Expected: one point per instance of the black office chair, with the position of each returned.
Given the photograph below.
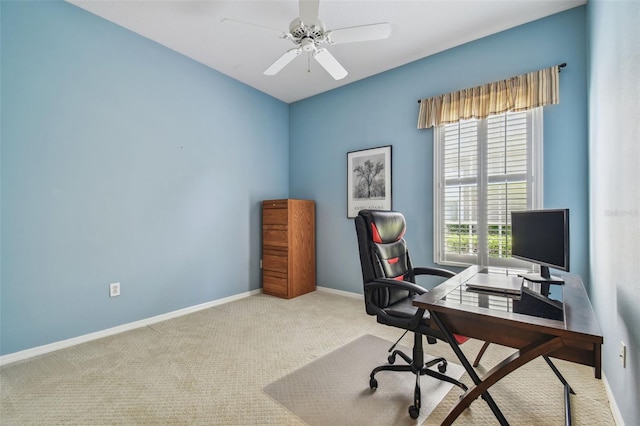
(389, 288)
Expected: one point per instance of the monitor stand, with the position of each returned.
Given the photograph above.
(543, 277)
(538, 278)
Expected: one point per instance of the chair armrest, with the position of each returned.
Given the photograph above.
(388, 282)
(421, 270)
(403, 285)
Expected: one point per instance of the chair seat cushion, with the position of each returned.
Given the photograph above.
(404, 309)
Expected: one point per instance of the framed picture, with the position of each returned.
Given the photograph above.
(368, 180)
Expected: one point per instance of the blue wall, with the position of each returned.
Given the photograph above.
(614, 152)
(383, 110)
(123, 161)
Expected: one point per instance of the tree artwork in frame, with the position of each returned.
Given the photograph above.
(368, 180)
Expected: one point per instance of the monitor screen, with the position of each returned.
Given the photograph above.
(542, 237)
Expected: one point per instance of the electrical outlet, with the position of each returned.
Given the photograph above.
(623, 355)
(114, 289)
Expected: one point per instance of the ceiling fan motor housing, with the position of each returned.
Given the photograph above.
(304, 35)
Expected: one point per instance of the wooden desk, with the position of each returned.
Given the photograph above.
(578, 338)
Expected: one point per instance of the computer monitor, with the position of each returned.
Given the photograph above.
(542, 237)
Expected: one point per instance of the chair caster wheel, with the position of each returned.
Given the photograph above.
(442, 367)
(391, 358)
(414, 412)
(373, 384)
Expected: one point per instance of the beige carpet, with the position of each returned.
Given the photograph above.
(210, 368)
(334, 390)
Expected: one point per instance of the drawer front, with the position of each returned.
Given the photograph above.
(274, 285)
(275, 204)
(275, 215)
(273, 262)
(274, 237)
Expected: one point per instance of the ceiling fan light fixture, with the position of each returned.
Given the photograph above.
(308, 45)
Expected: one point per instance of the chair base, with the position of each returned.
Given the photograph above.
(417, 366)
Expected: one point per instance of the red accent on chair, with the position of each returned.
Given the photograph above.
(460, 339)
(376, 234)
(392, 261)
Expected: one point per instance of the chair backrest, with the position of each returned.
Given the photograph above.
(383, 254)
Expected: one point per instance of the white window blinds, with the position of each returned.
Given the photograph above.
(484, 169)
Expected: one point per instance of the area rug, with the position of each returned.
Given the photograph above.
(334, 389)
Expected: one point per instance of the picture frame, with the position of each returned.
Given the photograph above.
(368, 180)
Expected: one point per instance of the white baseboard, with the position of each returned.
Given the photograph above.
(615, 411)
(40, 350)
(339, 292)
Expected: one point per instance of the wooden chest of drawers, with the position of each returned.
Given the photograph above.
(288, 247)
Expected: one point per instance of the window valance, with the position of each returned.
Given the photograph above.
(518, 93)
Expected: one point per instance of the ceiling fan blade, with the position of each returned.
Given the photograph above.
(309, 11)
(330, 64)
(378, 31)
(236, 21)
(282, 61)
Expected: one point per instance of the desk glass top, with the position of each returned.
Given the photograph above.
(535, 299)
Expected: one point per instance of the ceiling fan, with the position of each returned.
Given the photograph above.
(308, 34)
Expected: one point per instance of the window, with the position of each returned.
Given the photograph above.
(484, 169)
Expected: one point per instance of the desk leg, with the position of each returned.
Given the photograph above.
(567, 405)
(567, 391)
(482, 350)
(558, 374)
(465, 402)
(508, 365)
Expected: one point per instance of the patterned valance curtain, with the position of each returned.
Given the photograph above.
(518, 93)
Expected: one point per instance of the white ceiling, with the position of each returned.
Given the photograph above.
(419, 28)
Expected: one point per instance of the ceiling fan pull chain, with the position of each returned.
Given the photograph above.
(309, 62)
